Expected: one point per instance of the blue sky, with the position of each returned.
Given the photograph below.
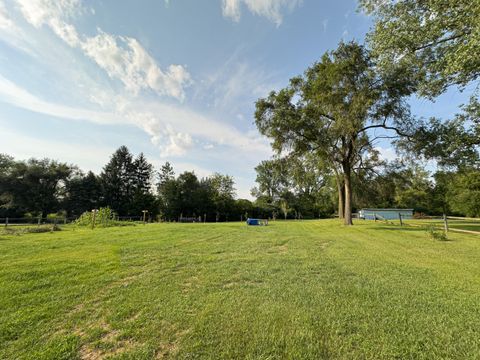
(174, 79)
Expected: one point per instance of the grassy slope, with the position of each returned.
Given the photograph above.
(290, 290)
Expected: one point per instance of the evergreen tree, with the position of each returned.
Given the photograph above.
(143, 199)
(118, 181)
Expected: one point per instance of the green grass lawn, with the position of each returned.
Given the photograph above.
(461, 224)
(292, 290)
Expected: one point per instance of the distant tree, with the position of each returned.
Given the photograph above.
(188, 186)
(143, 198)
(296, 182)
(435, 42)
(118, 181)
(142, 174)
(463, 195)
(167, 193)
(332, 109)
(7, 163)
(223, 194)
(244, 209)
(83, 193)
(35, 185)
(271, 178)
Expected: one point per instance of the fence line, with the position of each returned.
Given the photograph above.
(24, 221)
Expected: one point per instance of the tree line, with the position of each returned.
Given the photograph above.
(356, 96)
(298, 188)
(127, 184)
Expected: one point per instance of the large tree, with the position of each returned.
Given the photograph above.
(437, 42)
(36, 186)
(335, 110)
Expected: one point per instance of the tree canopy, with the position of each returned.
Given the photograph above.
(333, 109)
(436, 42)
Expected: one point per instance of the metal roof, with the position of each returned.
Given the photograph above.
(391, 209)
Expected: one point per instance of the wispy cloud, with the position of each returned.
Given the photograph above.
(143, 94)
(325, 25)
(122, 57)
(271, 9)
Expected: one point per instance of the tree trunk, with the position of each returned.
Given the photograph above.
(348, 195)
(341, 197)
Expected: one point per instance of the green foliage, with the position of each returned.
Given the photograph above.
(435, 234)
(33, 229)
(104, 217)
(33, 185)
(188, 196)
(435, 42)
(452, 143)
(294, 185)
(464, 193)
(330, 110)
(84, 193)
(126, 184)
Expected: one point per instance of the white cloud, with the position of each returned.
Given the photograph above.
(86, 156)
(175, 129)
(125, 59)
(40, 12)
(10, 33)
(122, 57)
(15, 95)
(271, 9)
(387, 154)
(171, 128)
(233, 88)
(5, 22)
(231, 9)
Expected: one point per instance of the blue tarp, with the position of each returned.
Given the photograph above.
(253, 221)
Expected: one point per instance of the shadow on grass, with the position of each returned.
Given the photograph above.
(399, 228)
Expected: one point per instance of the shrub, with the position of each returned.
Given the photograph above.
(420, 215)
(57, 215)
(104, 217)
(435, 234)
(30, 229)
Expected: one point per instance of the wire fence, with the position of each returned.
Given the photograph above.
(445, 223)
(29, 221)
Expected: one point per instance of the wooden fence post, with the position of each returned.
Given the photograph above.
(400, 217)
(6, 222)
(445, 223)
(94, 215)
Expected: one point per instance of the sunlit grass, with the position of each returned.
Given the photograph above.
(299, 290)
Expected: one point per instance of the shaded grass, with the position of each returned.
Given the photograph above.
(467, 224)
(298, 290)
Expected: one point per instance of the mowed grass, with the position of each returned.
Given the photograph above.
(291, 290)
(469, 224)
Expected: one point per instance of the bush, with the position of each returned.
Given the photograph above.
(104, 217)
(30, 229)
(420, 215)
(57, 215)
(435, 234)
